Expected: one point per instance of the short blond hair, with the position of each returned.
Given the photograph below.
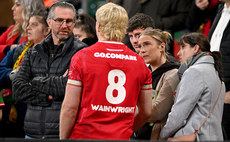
(113, 21)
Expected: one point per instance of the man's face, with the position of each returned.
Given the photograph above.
(133, 37)
(61, 24)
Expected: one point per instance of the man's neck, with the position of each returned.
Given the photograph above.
(100, 38)
(57, 41)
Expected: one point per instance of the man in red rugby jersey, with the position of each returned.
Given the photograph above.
(106, 82)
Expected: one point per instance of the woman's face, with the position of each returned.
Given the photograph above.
(150, 49)
(17, 12)
(36, 30)
(186, 51)
(79, 33)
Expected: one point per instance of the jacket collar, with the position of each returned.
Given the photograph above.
(205, 59)
(44, 47)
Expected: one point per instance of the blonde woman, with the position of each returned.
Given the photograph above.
(164, 80)
(37, 31)
(16, 34)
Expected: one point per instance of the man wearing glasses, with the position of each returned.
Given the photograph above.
(42, 76)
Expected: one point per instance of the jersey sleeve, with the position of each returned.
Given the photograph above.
(147, 85)
(75, 72)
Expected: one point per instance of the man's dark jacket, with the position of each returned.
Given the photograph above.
(225, 51)
(224, 47)
(40, 75)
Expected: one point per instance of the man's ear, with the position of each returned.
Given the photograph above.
(47, 31)
(98, 26)
(48, 22)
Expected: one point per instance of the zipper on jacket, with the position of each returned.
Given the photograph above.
(43, 122)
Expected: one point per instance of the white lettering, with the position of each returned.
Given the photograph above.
(107, 55)
(118, 56)
(115, 56)
(102, 54)
(113, 109)
(96, 54)
(94, 107)
(112, 55)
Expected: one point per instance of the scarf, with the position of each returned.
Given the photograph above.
(156, 75)
(27, 46)
(189, 62)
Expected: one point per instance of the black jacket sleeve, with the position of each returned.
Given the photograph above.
(175, 21)
(195, 18)
(23, 90)
(53, 85)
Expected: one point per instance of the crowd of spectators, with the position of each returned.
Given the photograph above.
(37, 71)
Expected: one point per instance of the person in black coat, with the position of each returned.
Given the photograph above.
(219, 36)
(43, 73)
(201, 15)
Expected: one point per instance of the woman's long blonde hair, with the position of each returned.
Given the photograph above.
(28, 7)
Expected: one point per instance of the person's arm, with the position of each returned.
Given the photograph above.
(179, 12)
(23, 90)
(144, 109)
(53, 85)
(6, 66)
(0, 114)
(187, 97)
(227, 98)
(5, 43)
(193, 21)
(69, 110)
(164, 101)
(202, 4)
(2, 104)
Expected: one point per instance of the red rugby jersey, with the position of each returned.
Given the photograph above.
(111, 77)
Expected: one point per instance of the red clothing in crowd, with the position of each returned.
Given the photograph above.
(49, 3)
(4, 42)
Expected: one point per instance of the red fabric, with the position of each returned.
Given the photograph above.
(207, 25)
(6, 92)
(49, 3)
(176, 49)
(107, 70)
(4, 42)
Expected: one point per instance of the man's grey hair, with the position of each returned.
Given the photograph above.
(63, 5)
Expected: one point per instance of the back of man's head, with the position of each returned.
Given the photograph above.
(140, 20)
(113, 20)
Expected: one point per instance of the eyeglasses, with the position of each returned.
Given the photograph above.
(60, 21)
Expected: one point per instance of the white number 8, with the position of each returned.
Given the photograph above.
(116, 86)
